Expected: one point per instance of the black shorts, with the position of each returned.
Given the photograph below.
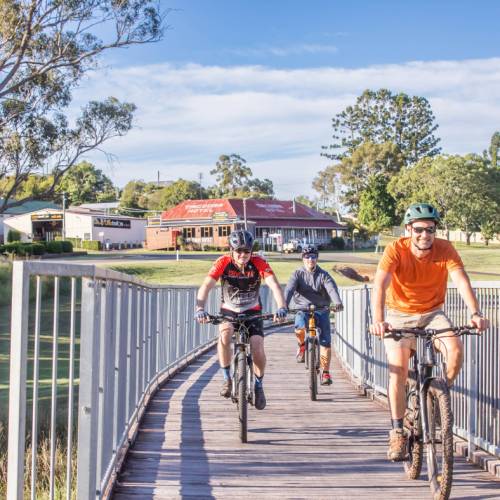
(255, 326)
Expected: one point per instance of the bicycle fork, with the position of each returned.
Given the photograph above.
(426, 377)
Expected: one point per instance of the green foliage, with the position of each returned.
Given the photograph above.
(354, 171)
(133, 195)
(37, 249)
(54, 246)
(231, 174)
(305, 200)
(176, 193)
(381, 116)
(494, 149)
(76, 242)
(337, 243)
(48, 47)
(256, 246)
(83, 183)
(91, 245)
(13, 235)
(377, 206)
(66, 246)
(465, 190)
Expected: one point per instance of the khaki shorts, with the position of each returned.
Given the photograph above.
(433, 319)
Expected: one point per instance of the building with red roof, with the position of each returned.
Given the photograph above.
(207, 223)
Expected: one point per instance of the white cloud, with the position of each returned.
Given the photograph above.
(285, 51)
(278, 119)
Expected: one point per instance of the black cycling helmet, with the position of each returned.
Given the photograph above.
(241, 239)
(421, 211)
(309, 250)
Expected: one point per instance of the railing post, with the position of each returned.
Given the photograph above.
(88, 406)
(472, 396)
(17, 387)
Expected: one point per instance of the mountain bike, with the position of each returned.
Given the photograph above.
(428, 418)
(242, 391)
(312, 348)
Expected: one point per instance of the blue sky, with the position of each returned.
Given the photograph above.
(263, 80)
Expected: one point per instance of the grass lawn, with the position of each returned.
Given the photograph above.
(192, 272)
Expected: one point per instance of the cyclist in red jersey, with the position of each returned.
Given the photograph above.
(241, 274)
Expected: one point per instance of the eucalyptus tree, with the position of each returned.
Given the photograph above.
(46, 47)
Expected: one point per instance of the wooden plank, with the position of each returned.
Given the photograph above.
(188, 447)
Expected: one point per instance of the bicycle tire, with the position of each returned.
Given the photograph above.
(413, 427)
(440, 448)
(242, 396)
(313, 375)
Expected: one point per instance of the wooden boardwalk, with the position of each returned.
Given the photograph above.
(188, 447)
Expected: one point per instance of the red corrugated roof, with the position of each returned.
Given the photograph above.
(266, 213)
(299, 223)
(200, 209)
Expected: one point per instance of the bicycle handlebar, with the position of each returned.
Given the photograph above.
(217, 319)
(397, 333)
(307, 310)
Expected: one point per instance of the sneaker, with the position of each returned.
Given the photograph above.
(326, 379)
(225, 391)
(397, 445)
(260, 397)
(301, 352)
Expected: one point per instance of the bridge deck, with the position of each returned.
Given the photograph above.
(188, 446)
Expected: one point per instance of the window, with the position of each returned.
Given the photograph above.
(189, 232)
(224, 230)
(207, 232)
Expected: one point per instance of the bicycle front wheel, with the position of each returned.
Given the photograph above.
(413, 428)
(242, 396)
(312, 353)
(440, 448)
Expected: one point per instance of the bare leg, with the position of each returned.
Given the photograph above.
(258, 354)
(325, 357)
(452, 350)
(398, 373)
(224, 344)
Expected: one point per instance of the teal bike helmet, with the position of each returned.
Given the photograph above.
(421, 211)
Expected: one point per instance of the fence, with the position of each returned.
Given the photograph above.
(476, 391)
(130, 337)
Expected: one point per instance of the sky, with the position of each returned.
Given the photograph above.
(263, 79)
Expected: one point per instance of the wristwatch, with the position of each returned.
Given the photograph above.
(477, 313)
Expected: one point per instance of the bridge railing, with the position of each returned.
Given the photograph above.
(107, 340)
(476, 391)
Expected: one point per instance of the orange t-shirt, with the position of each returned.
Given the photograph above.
(418, 285)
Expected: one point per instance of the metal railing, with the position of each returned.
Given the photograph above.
(130, 337)
(476, 391)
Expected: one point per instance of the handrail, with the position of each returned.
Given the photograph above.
(131, 336)
(475, 392)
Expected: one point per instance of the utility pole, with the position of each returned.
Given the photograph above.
(245, 212)
(200, 177)
(158, 179)
(64, 217)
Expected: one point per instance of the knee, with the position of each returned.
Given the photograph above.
(325, 343)
(225, 336)
(397, 373)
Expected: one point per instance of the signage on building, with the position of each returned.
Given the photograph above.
(109, 222)
(220, 215)
(42, 217)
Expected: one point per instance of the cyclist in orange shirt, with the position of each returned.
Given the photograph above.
(411, 281)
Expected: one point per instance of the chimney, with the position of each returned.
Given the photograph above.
(293, 205)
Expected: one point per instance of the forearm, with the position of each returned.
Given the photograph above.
(203, 291)
(462, 282)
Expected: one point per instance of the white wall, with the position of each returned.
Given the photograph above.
(21, 223)
(136, 233)
(77, 225)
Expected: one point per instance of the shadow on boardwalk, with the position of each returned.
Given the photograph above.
(334, 448)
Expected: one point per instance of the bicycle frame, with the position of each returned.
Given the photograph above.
(423, 377)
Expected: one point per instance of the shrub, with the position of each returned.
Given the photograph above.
(256, 246)
(67, 246)
(338, 243)
(54, 247)
(91, 244)
(11, 248)
(37, 249)
(76, 242)
(13, 235)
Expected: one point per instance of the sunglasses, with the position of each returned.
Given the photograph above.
(242, 251)
(420, 230)
(310, 256)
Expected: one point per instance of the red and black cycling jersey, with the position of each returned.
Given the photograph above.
(240, 288)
